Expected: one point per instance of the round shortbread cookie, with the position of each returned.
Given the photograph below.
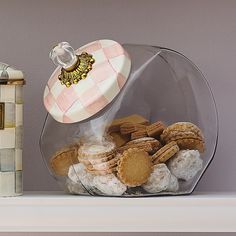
(134, 167)
(63, 159)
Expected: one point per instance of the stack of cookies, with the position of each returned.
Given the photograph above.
(122, 129)
(186, 135)
(99, 158)
(139, 153)
(157, 142)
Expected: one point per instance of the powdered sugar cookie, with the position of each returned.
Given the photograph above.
(159, 179)
(77, 173)
(109, 184)
(75, 188)
(185, 164)
(96, 150)
(103, 172)
(173, 184)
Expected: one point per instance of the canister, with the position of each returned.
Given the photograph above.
(11, 130)
(127, 120)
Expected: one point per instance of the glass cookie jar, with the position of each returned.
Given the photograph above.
(11, 129)
(127, 120)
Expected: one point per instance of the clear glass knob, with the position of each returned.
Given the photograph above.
(63, 55)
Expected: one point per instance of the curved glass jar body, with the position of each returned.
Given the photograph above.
(163, 85)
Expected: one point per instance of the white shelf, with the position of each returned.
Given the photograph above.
(57, 212)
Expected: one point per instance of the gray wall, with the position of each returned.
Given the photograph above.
(203, 30)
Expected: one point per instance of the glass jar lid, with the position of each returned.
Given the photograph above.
(86, 80)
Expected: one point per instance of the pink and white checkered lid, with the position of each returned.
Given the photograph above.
(103, 83)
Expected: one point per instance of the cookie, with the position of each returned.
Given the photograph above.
(136, 119)
(165, 153)
(173, 184)
(186, 135)
(134, 167)
(119, 139)
(147, 147)
(78, 174)
(104, 165)
(155, 144)
(99, 160)
(159, 179)
(109, 184)
(192, 144)
(172, 135)
(155, 129)
(90, 151)
(186, 164)
(102, 172)
(186, 140)
(139, 134)
(84, 161)
(101, 167)
(75, 187)
(62, 160)
(183, 127)
(128, 128)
